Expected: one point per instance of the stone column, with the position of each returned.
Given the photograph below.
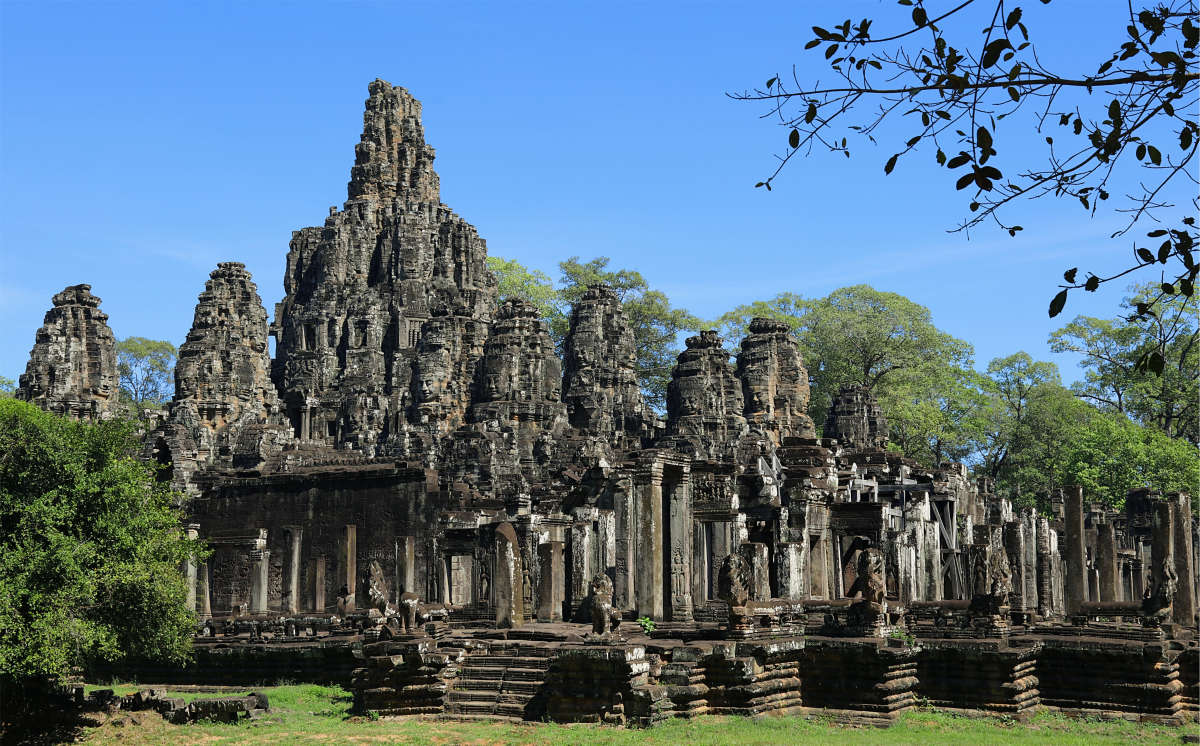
(260, 567)
(1106, 559)
(1014, 546)
(1074, 556)
(318, 575)
(192, 531)
(205, 595)
(649, 568)
(789, 570)
(406, 566)
(550, 590)
(1185, 563)
(350, 563)
(1162, 545)
(623, 580)
(681, 551)
(756, 555)
(1045, 588)
(582, 552)
(293, 576)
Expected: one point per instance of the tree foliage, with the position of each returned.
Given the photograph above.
(1114, 380)
(8, 387)
(952, 76)
(656, 324)
(146, 367)
(90, 548)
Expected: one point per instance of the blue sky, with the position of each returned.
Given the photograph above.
(142, 143)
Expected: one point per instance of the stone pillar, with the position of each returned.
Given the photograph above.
(1106, 560)
(192, 531)
(1137, 579)
(350, 563)
(1014, 546)
(508, 585)
(623, 576)
(1162, 543)
(318, 575)
(1074, 556)
(818, 562)
(1185, 564)
(1045, 593)
(649, 566)
(553, 580)
(406, 566)
(203, 591)
(681, 551)
(260, 567)
(293, 576)
(789, 569)
(581, 556)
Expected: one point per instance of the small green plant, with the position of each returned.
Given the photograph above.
(372, 714)
(904, 636)
(646, 623)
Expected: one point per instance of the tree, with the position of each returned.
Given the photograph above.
(884, 342)
(1111, 349)
(90, 549)
(8, 387)
(656, 324)
(1109, 455)
(957, 77)
(145, 367)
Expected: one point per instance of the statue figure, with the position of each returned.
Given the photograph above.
(377, 592)
(409, 607)
(864, 615)
(734, 581)
(1156, 606)
(605, 619)
(343, 601)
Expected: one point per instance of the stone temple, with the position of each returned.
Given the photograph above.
(416, 498)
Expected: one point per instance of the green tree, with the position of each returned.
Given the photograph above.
(1109, 455)
(90, 549)
(962, 81)
(883, 341)
(8, 387)
(656, 324)
(145, 367)
(535, 286)
(1113, 348)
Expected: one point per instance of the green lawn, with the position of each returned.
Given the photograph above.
(319, 715)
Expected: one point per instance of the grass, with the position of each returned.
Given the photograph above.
(309, 714)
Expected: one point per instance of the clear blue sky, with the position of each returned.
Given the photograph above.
(142, 143)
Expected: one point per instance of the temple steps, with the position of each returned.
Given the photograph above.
(498, 681)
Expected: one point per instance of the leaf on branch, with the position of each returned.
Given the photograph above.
(1168, 288)
(813, 43)
(887, 168)
(811, 114)
(1140, 153)
(1145, 256)
(1057, 303)
(1069, 275)
(1014, 94)
(833, 48)
(772, 81)
(820, 32)
(1164, 251)
(1155, 156)
(1185, 138)
(1186, 287)
(1013, 19)
(1092, 283)
(958, 161)
(964, 181)
(919, 17)
(991, 53)
(794, 138)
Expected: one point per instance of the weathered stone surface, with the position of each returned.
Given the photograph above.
(600, 386)
(704, 397)
(72, 368)
(360, 288)
(856, 421)
(774, 382)
(223, 376)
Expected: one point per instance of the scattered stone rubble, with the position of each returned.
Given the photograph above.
(415, 488)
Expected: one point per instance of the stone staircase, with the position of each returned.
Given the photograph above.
(498, 681)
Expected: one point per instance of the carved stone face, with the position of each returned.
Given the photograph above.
(601, 586)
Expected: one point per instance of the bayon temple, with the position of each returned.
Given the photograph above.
(417, 498)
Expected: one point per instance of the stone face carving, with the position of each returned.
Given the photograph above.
(869, 582)
(774, 382)
(856, 421)
(600, 386)
(704, 397)
(72, 368)
(360, 289)
(222, 379)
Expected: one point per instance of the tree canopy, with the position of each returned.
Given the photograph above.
(656, 324)
(145, 367)
(960, 82)
(90, 548)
